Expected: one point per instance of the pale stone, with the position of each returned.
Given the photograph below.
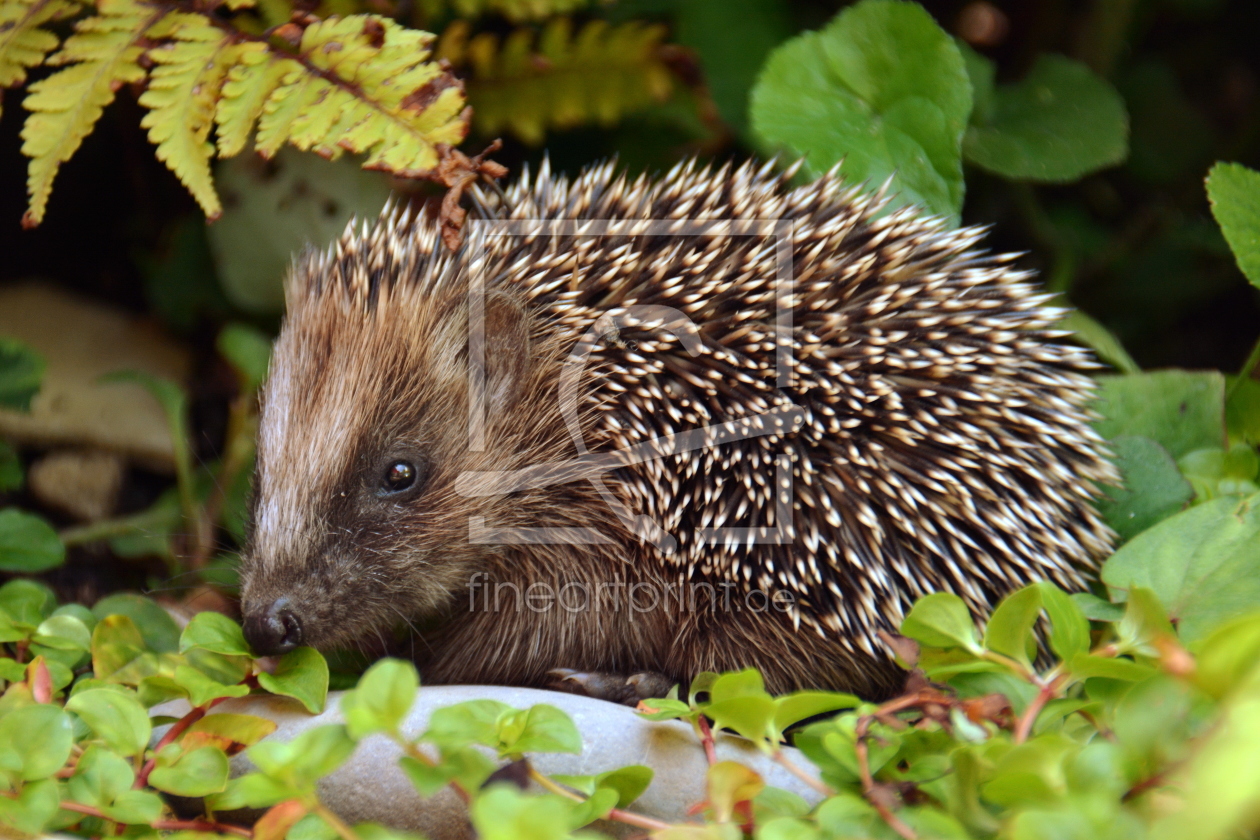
(82, 341)
(82, 483)
(371, 787)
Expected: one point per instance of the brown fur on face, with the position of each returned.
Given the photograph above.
(945, 443)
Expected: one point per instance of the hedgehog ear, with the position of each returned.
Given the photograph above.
(506, 349)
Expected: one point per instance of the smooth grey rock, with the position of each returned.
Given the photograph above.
(82, 483)
(81, 341)
(371, 787)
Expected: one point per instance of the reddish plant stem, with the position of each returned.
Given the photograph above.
(706, 738)
(177, 728)
(1045, 694)
(868, 788)
(167, 825)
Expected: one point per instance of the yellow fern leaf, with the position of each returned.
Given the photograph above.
(560, 79)
(249, 84)
(183, 89)
(516, 10)
(22, 43)
(103, 55)
(361, 84)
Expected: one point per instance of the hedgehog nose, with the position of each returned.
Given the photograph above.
(275, 630)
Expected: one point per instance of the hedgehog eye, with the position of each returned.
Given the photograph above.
(399, 476)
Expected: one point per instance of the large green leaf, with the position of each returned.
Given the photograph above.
(1234, 191)
(1059, 123)
(1153, 488)
(1181, 410)
(28, 544)
(882, 88)
(1203, 563)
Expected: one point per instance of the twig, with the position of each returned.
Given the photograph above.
(338, 825)
(787, 764)
(627, 817)
(1045, 694)
(166, 825)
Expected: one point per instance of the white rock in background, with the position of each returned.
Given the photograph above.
(371, 787)
(81, 341)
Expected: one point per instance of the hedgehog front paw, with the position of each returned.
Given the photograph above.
(625, 689)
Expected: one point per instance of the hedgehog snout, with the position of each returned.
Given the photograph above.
(274, 629)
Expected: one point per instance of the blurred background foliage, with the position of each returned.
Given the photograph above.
(1165, 87)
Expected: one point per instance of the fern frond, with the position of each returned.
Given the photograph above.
(361, 84)
(103, 55)
(514, 10)
(563, 79)
(183, 88)
(22, 43)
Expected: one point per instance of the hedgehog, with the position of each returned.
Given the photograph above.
(639, 429)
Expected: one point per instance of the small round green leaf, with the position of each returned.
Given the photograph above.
(301, 674)
(28, 544)
(117, 718)
(42, 736)
(198, 772)
(214, 632)
(1059, 123)
(382, 699)
(941, 620)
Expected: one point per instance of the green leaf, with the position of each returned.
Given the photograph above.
(1153, 488)
(100, 777)
(470, 722)
(382, 699)
(1084, 666)
(116, 645)
(201, 689)
(34, 807)
(881, 88)
(791, 709)
(1178, 409)
(214, 632)
(302, 762)
(1224, 660)
(666, 709)
(1242, 409)
(249, 352)
(158, 630)
(1009, 631)
(546, 729)
(139, 807)
(941, 620)
(42, 736)
(1234, 191)
(1218, 472)
(504, 813)
(1059, 123)
(117, 718)
(1203, 563)
(1069, 628)
(627, 782)
(11, 476)
(1095, 608)
(21, 370)
(1145, 620)
(28, 544)
(27, 602)
(198, 772)
(301, 674)
(428, 779)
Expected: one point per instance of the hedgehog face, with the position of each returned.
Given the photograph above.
(357, 524)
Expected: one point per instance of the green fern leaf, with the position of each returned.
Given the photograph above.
(361, 84)
(515, 10)
(183, 89)
(22, 43)
(249, 84)
(564, 79)
(103, 55)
